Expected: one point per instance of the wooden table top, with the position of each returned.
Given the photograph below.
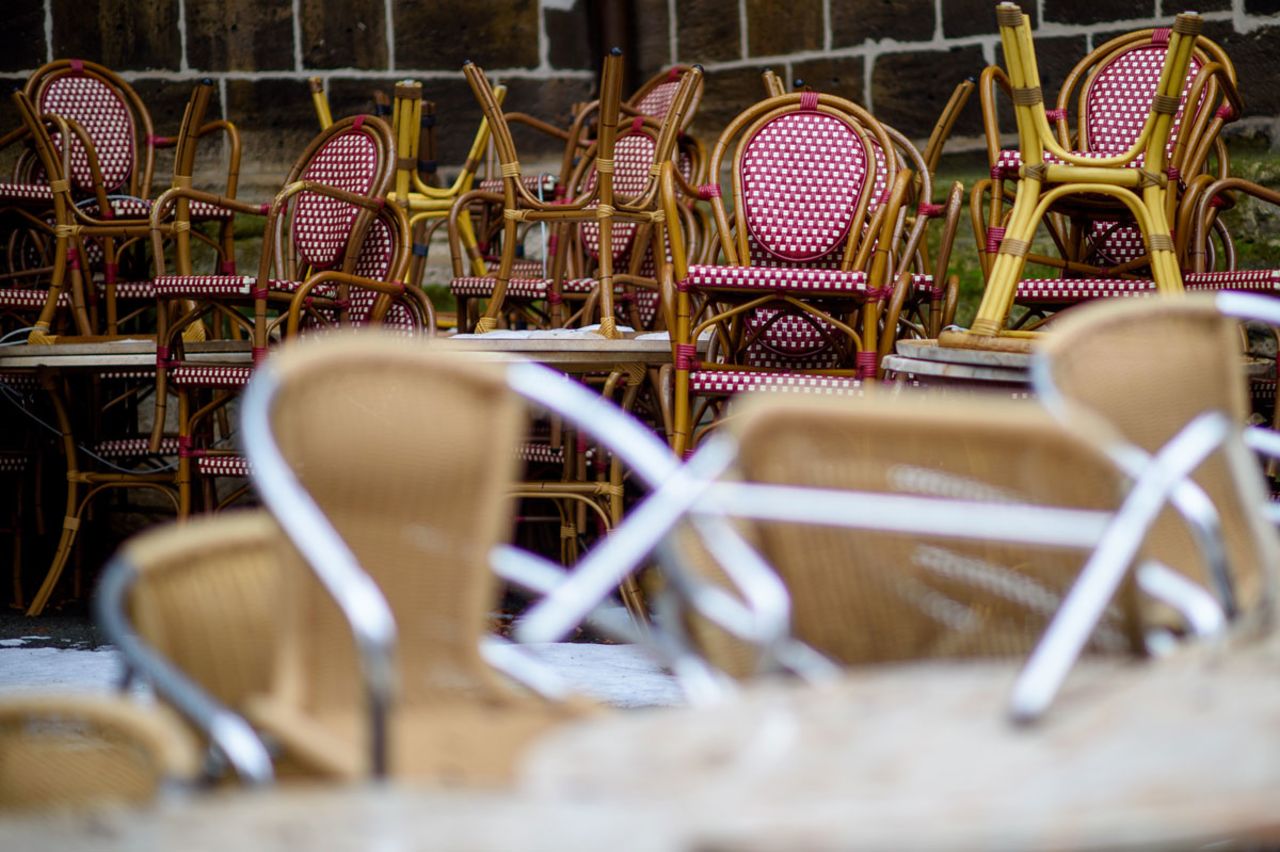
(560, 349)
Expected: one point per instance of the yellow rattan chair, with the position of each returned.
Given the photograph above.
(1045, 180)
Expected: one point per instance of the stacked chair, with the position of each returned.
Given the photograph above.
(333, 254)
(814, 248)
(616, 200)
(1127, 170)
(102, 156)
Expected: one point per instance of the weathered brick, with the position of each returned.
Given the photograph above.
(569, 37)
(872, 20)
(909, 90)
(652, 40)
(776, 27)
(707, 32)
(1169, 8)
(976, 17)
(354, 96)
(22, 42)
(1074, 12)
(444, 33)
(276, 122)
(240, 35)
(727, 94)
(344, 33)
(843, 76)
(1254, 56)
(118, 33)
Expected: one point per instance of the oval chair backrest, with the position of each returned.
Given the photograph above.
(1118, 97)
(633, 155)
(375, 261)
(321, 225)
(802, 174)
(106, 118)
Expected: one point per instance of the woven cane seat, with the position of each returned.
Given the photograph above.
(520, 288)
(22, 298)
(1060, 291)
(228, 376)
(222, 465)
(729, 382)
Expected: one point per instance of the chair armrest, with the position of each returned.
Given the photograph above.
(393, 289)
(229, 733)
(990, 80)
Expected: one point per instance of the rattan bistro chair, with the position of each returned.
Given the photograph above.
(396, 533)
(796, 302)
(600, 203)
(77, 751)
(1143, 189)
(333, 253)
(109, 173)
(1101, 255)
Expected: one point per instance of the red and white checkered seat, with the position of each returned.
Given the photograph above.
(26, 192)
(730, 382)
(223, 465)
(107, 121)
(1068, 291)
(29, 299)
(14, 461)
(124, 448)
(544, 183)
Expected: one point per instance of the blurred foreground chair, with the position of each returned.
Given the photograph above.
(77, 751)
(192, 608)
(1111, 171)
(905, 529)
(385, 662)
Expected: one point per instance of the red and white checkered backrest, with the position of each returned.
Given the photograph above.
(1119, 97)
(107, 120)
(657, 101)
(632, 163)
(374, 261)
(790, 341)
(802, 174)
(321, 225)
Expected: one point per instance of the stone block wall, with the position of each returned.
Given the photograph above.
(901, 58)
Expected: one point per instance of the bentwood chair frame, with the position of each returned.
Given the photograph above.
(852, 269)
(1075, 174)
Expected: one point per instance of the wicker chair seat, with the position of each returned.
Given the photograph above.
(222, 465)
(129, 207)
(131, 290)
(729, 382)
(14, 462)
(19, 381)
(228, 376)
(26, 192)
(106, 119)
(1059, 291)
(212, 286)
(22, 298)
(122, 448)
(783, 279)
(522, 288)
(472, 743)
